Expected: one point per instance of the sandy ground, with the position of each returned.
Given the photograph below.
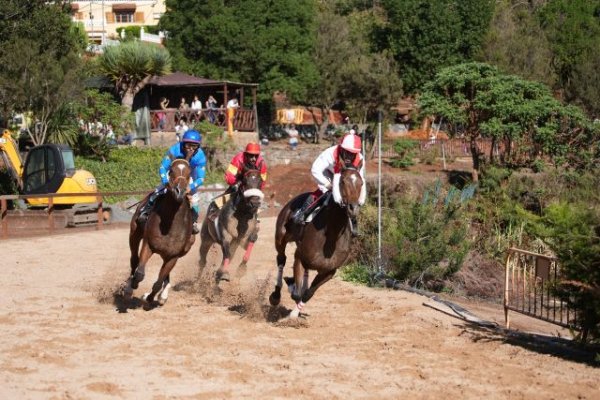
(63, 336)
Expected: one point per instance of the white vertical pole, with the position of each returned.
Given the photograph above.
(102, 16)
(379, 150)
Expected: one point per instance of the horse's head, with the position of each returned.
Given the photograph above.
(179, 178)
(250, 188)
(348, 190)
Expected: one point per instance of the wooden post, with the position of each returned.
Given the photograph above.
(506, 290)
(3, 216)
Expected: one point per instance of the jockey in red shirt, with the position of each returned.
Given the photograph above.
(250, 158)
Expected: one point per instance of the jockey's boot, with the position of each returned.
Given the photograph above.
(354, 227)
(195, 228)
(145, 211)
(298, 216)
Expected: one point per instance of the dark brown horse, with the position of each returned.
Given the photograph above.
(167, 232)
(323, 244)
(235, 224)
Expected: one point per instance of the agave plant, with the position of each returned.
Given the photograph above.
(130, 66)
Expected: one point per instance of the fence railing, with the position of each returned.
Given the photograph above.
(448, 148)
(166, 120)
(52, 213)
(529, 282)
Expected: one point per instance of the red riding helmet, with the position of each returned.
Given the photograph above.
(252, 148)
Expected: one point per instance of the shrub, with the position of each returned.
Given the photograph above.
(131, 169)
(406, 153)
(572, 231)
(424, 241)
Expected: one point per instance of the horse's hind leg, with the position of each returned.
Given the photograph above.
(163, 295)
(321, 278)
(205, 244)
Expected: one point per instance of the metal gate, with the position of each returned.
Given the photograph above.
(528, 289)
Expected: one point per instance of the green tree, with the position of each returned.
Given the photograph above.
(245, 40)
(516, 43)
(130, 66)
(427, 35)
(39, 52)
(349, 71)
(572, 28)
(487, 103)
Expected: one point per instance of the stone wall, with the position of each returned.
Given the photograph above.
(274, 153)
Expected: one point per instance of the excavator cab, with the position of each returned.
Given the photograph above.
(50, 168)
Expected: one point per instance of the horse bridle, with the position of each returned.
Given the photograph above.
(353, 168)
(181, 177)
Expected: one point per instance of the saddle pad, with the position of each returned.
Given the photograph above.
(221, 200)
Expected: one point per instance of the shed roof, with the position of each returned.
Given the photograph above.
(183, 79)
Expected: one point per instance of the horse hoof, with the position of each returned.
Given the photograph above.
(162, 302)
(222, 276)
(294, 314)
(241, 271)
(136, 279)
(127, 292)
(274, 298)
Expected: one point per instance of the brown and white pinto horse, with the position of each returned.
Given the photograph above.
(323, 244)
(234, 225)
(167, 232)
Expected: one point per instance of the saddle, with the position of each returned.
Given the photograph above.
(216, 204)
(313, 210)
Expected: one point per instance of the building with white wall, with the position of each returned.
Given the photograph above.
(101, 18)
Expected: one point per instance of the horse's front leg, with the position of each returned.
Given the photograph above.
(165, 270)
(248, 250)
(275, 297)
(139, 272)
(299, 285)
(223, 271)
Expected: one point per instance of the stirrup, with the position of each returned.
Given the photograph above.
(298, 217)
(143, 217)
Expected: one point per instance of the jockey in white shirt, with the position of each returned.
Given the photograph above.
(329, 163)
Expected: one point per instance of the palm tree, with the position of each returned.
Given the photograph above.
(130, 66)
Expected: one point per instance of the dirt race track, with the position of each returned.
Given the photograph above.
(63, 337)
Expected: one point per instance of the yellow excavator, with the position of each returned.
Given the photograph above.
(50, 168)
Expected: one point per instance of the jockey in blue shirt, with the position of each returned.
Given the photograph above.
(189, 148)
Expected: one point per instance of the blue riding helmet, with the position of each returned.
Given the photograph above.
(192, 136)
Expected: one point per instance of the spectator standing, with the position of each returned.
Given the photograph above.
(211, 106)
(232, 106)
(196, 107)
(181, 128)
(162, 115)
(183, 108)
(293, 134)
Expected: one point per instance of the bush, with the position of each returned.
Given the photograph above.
(406, 153)
(424, 241)
(131, 169)
(572, 231)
